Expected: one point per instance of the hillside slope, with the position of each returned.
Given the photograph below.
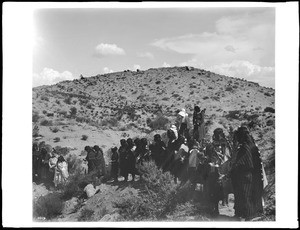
(112, 106)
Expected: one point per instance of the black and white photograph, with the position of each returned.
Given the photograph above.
(151, 114)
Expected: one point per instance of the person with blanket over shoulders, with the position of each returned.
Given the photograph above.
(123, 159)
(114, 164)
(247, 176)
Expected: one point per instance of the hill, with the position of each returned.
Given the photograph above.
(104, 108)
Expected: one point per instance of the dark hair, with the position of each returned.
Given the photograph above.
(61, 159)
(197, 108)
(123, 142)
(114, 149)
(242, 135)
(137, 141)
(87, 148)
(157, 137)
(218, 134)
(130, 142)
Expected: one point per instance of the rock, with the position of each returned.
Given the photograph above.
(70, 206)
(111, 217)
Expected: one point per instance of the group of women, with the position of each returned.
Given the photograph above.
(221, 166)
(48, 166)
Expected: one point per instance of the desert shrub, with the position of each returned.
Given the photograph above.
(62, 150)
(84, 137)
(159, 122)
(267, 94)
(49, 206)
(161, 191)
(44, 98)
(35, 117)
(113, 122)
(62, 113)
(44, 111)
(165, 99)
(57, 101)
(74, 164)
(233, 114)
(205, 98)
(89, 105)
(269, 109)
(228, 88)
(68, 100)
(35, 131)
(56, 139)
(157, 82)
(46, 122)
(76, 183)
(73, 111)
(54, 129)
(86, 215)
(270, 122)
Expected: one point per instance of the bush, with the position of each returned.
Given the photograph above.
(68, 100)
(113, 122)
(233, 114)
(46, 122)
(160, 122)
(44, 98)
(73, 111)
(55, 130)
(84, 137)
(35, 131)
(35, 117)
(86, 215)
(269, 109)
(56, 139)
(74, 164)
(49, 206)
(76, 183)
(228, 88)
(62, 150)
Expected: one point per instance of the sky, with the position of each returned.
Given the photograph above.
(237, 42)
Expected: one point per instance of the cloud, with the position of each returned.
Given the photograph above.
(146, 55)
(136, 66)
(107, 70)
(265, 76)
(246, 32)
(103, 50)
(166, 65)
(49, 76)
(230, 48)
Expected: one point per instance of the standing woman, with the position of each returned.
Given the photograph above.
(52, 164)
(246, 175)
(61, 171)
(183, 119)
(90, 158)
(202, 128)
(114, 164)
(123, 159)
(131, 158)
(99, 160)
(197, 118)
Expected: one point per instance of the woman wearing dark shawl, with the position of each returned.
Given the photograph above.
(131, 160)
(246, 176)
(123, 159)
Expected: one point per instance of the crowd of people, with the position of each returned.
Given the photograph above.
(220, 166)
(48, 166)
